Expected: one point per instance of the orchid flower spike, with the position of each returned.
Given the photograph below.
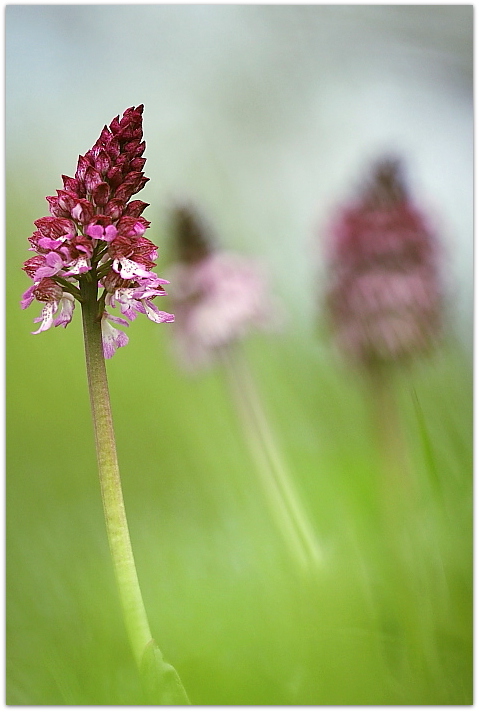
(384, 297)
(95, 233)
(218, 296)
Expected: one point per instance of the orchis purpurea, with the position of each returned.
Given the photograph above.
(95, 235)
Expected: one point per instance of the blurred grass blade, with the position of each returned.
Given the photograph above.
(426, 442)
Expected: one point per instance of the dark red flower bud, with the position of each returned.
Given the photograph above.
(82, 211)
(102, 162)
(131, 226)
(31, 265)
(137, 164)
(131, 148)
(55, 227)
(123, 163)
(115, 125)
(129, 188)
(92, 179)
(114, 209)
(121, 246)
(113, 148)
(145, 248)
(130, 124)
(136, 179)
(70, 184)
(82, 166)
(66, 200)
(48, 291)
(126, 119)
(101, 194)
(140, 148)
(128, 133)
(104, 137)
(55, 209)
(115, 177)
(135, 208)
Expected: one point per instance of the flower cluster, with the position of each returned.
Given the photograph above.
(95, 233)
(218, 296)
(384, 298)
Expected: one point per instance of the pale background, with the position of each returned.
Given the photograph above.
(267, 115)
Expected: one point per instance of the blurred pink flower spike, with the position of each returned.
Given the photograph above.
(384, 298)
(95, 232)
(218, 296)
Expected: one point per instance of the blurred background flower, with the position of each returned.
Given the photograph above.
(384, 298)
(264, 115)
(218, 296)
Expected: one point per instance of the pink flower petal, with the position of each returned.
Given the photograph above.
(67, 305)
(112, 338)
(47, 317)
(153, 313)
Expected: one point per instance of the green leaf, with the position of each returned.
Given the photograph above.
(161, 681)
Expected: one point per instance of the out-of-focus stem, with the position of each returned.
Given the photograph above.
(283, 500)
(146, 654)
(397, 485)
(398, 508)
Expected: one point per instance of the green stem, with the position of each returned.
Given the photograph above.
(163, 681)
(397, 484)
(399, 513)
(280, 492)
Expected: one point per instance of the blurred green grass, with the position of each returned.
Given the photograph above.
(225, 604)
